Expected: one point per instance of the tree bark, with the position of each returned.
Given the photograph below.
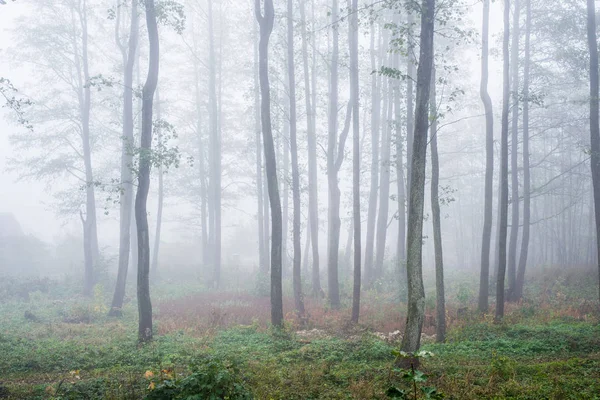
(263, 265)
(518, 293)
(503, 204)
(594, 118)
(126, 196)
(215, 153)
(372, 210)
(161, 195)
(484, 277)
(440, 331)
(313, 201)
(514, 156)
(265, 22)
(354, 94)
(411, 340)
(297, 263)
(143, 281)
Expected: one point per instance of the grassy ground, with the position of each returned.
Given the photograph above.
(54, 345)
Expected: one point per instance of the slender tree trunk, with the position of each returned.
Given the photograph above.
(594, 124)
(313, 201)
(400, 183)
(518, 294)
(440, 331)
(296, 269)
(333, 240)
(410, 112)
(384, 181)
(91, 249)
(354, 94)
(126, 196)
(215, 153)
(143, 281)
(411, 340)
(514, 156)
(503, 203)
(372, 210)
(265, 22)
(201, 162)
(263, 265)
(161, 194)
(484, 277)
(285, 190)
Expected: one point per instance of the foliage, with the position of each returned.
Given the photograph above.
(210, 379)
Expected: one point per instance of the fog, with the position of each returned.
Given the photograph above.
(151, 153)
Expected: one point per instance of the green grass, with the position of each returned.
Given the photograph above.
(532, 355)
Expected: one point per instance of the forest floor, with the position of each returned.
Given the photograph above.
(56, 345)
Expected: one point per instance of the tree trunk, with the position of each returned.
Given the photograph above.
(297, 263)
(90, 231)
(384, 181)
(143, 281)
(332, 176)
(518, 293)
(514, 156)
(372, 210)
(411, 340)
(594, 124)
(263, 265)
(126, 196)
(484, 277)
(440, 331)
(266, 27)
(313, 201)
(161, 195)
(410, 112)
(354, 94)
(503, 203)
(215, 153)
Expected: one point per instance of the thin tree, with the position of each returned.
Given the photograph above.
(161, 191)
(594, 117)
(126, 196)
(263, 246)
(503, 203)
(335, 157)
(514, 156)
(518, 293)
(297, 263)
(313, 200)
(214, 154)
(375, 116)
(440, 330)
(265, 22)
(354, 94)
(484, 277)
(143, 281)
(411, 340)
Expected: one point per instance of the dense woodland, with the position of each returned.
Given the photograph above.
(302, 199)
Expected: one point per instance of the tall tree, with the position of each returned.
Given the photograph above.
(263, 246)
(265, 21)
(161, 190)
(514, 156)
(440, 308)
(297, 263)
(375, 115)
(354, 94)
(518, 293)
(484, 277)
(143, 281)
(128, 55)
(503, 203)
(215, 153)
(335, 156)
(594, 117)
(313, 200)
(411, 340)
